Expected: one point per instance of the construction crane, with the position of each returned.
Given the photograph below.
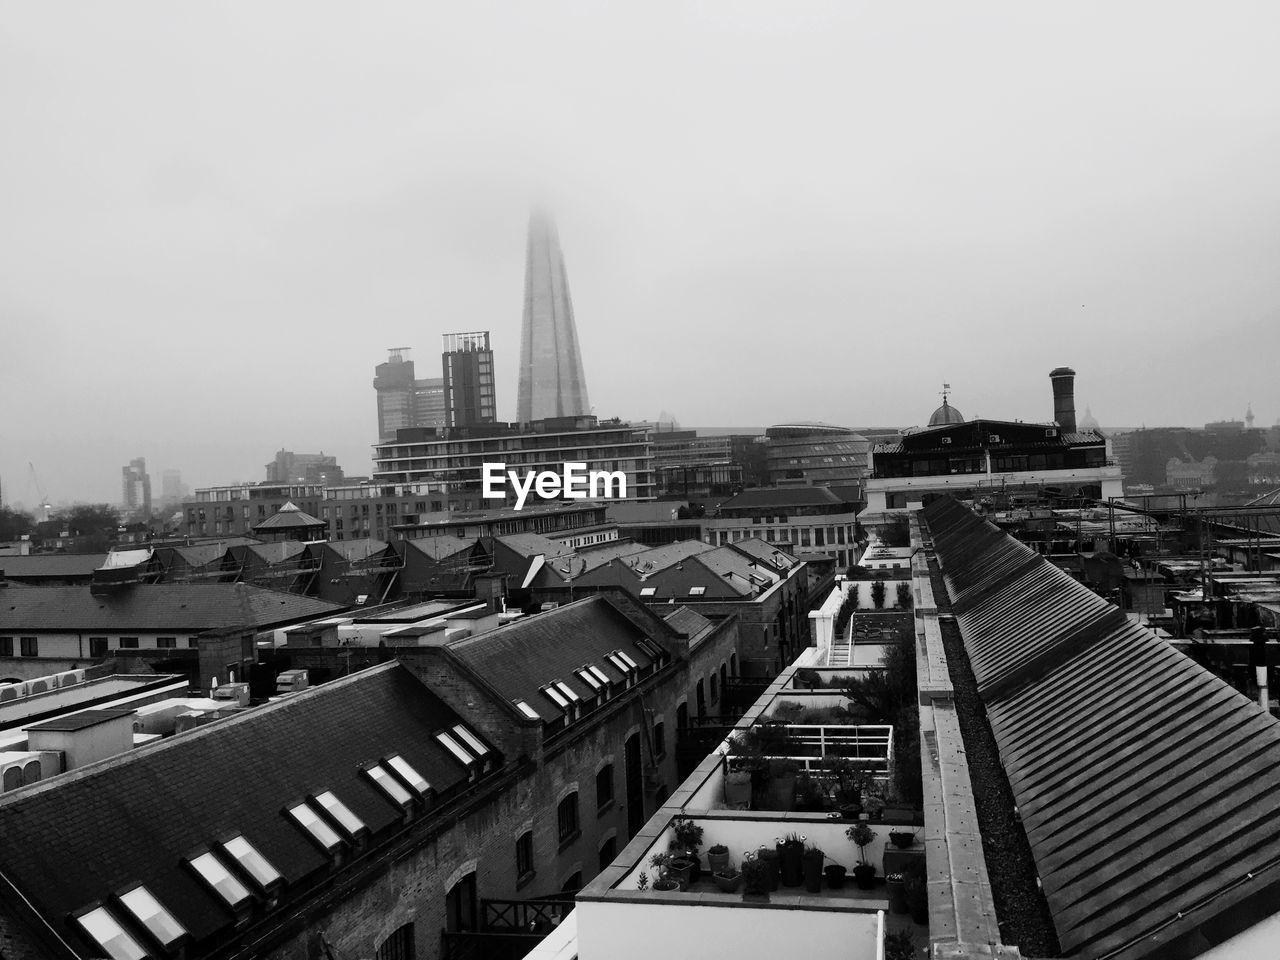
(45, 508)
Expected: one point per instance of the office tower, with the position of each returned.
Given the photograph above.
(404, 401)
(551, 380)
(467, 364)
(136, 487)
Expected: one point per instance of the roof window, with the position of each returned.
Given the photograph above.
(389, 785)
(257, 866)
(527, 710)
(340, 812)
(317, 829)
(232, 891)
(107, 933)
(158, 921)
(401, 767)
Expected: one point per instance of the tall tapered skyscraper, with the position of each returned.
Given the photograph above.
(551, 380)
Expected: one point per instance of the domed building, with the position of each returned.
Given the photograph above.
(945, 415)
(1088, 423)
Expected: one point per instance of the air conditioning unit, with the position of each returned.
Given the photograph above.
(291, 681)
(12, 691)
(993, 438)
(20, 773)
(1051, 432)
(68, 679)
(945, 440)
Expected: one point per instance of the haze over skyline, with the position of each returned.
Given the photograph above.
(218, 218)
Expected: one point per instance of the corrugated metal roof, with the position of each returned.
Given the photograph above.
(1146, 785)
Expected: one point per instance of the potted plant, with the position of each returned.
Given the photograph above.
(863, 873)
(835, 874)
(902, 839)
(717, 858)
(687, 839)
(755, 877)
(813, 858)
(680, 869)
(897, 893)
(642, 881)
(727, 879)
(781, 791)
(791, 859)
(873, 806)
(769, 856)
(900, 946)
(664, 880)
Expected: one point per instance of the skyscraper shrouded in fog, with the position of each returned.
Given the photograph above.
(552, 383)
(136, 487)
(404, 400)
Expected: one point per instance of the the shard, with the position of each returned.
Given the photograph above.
(551, 379)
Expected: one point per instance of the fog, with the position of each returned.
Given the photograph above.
(216, 219)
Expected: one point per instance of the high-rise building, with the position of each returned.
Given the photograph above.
(403, 400)
(172, 490)
(290, 467)
(552, 383)
(467, 364)
(136, 487)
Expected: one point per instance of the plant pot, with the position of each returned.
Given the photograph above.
(791, 864)
(835, 876)
(718, 862)
(737, 789)
(769, 856)
(727, 884)
(696, 873)
(850, 811)
(813, 874)
(902, 839)
(681, 870)
(864, 874)
(665, 886)
(897, 894)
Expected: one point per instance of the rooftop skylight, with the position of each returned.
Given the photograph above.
(470, 740)
(147, 910)
(410, 776)
(316, 828)
(107, 933)
(254, 863)
(389, 785)
(340, 812)
(527, 710)
(232, 891)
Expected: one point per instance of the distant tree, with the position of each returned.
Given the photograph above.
(85, 519)
(877, 594)
(896, 534)
(14, 524)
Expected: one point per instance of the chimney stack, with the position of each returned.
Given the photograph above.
(1064, 398)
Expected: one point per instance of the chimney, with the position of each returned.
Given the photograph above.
(1064, 398)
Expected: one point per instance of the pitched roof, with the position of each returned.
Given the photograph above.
(764, 552)
(289, 517)
(74, 839)
(1145, 783)
(277, 551)
(688, 622)
(522, 657)
(438, 548)
(532, 544)
(171, 606)
(52, 565)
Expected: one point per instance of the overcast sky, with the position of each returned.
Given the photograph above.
(215, 218)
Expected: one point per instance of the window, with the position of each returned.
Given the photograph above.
(257, 866)
(524, 855)
(702, 700)
(107, 933)
(30, 647)
(232, 891)
(409, 775)
(608, 852)
(724, 679)
(733, 664)
(604, 787)
(340, 812)
(128, 643)
(6, 646)
(97, 647)
(390, 786)
(158, 921)
(398, 946)
(682, 716)
(527, 710)
(166, 643)
(567, 818)
(715, 692)
(659, 739)
(317, 829)
(192, 642)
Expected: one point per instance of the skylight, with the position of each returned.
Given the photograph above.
(556, 697)
(211, 870)
(319, 831)
(627, 659)
(110, 936)
(455, 748)
(589, 680)
(147, 910)
(697, 591)
(527, 710)
(340, 812)
(390, 785)
(618, 664)
(568, 691)
(255, 864)
(409, 775)
(648, 591)
(470, 739)
(599, 674)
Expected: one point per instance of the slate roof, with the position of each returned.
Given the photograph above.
(532, 544)
(777, 497)
(688, 622)
(360, 549)
(180, 607)
(520, 658)
(277, 552)
(52, 565)
(74, 839)
(290, 517)
(1146, 785)
(438, 548)
(765, 552)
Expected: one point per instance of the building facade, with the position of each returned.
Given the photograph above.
(136, 487)
(403, 400)
(467, 364)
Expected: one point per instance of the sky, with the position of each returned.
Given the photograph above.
(215, 218)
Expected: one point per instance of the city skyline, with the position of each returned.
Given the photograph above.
(750, 244)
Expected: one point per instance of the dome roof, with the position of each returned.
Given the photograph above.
(945, 414)
(1088, 421)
